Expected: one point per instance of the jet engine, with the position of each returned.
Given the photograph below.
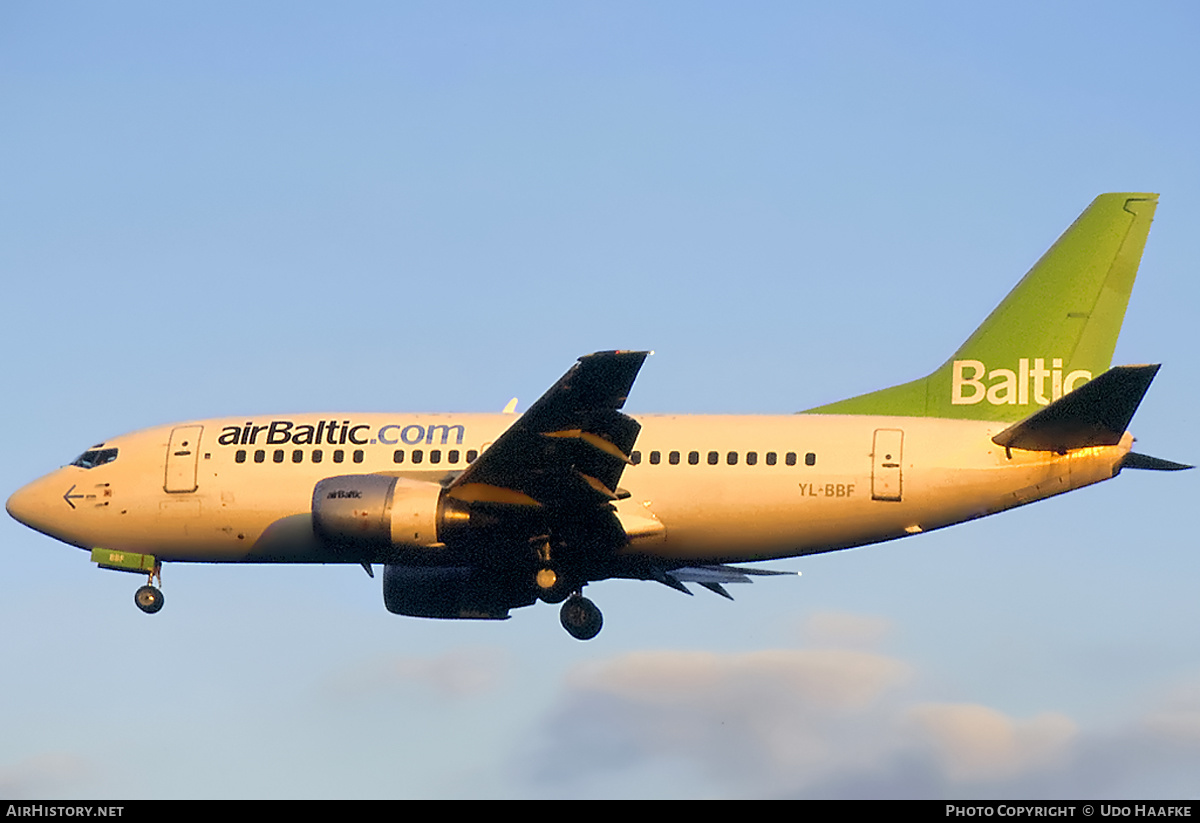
(449, 592)
(374, 511)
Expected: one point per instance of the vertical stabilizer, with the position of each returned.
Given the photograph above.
(1052, 333)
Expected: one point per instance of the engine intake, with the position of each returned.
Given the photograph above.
(376, 511)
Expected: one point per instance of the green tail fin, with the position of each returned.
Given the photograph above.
(1053, 332)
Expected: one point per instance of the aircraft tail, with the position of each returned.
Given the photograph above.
(1054, 332)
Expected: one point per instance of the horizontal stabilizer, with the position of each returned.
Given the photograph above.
(1133, 460)
(1095, 414)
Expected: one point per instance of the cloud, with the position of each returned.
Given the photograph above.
(51, 774)
(750, 720)
(835, 723)
(1177, 718)
(833, 679)
(974, 742)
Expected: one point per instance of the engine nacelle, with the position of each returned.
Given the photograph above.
(447, 592)
(376, 511)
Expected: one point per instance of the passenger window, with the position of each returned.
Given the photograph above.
(435, 456)
(635, 458)
(452, 457)
(317, 455)
(338, 455)
(790, 459)
(810, 459)
(240, 456)
(358, 455)
(278, 456)
(418, 455)
(693, 458)
(471, 455)
(655, 458)
(770, 458)
(259, 455)
(751, 458)
(673, 458)
(398, 456)
(731, 458)
(298, 455)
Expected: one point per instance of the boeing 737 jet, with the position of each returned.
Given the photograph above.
(472, 515)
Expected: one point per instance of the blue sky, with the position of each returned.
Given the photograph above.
(222, 208)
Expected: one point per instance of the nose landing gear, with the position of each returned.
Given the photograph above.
(148, 598)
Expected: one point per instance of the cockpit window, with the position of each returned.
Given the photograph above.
(95, 457)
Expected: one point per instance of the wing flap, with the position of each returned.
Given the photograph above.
(487, 493)
(594, 440)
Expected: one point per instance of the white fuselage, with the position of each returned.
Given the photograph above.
(702, 488)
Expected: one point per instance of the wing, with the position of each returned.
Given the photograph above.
(561, 461)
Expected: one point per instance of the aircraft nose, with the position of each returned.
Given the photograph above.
(22, 504)
(33, 505)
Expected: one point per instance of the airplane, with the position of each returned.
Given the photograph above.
(473, 515)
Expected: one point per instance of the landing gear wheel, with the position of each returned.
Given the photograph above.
(552, 587)
(148, 599)
(581, 618)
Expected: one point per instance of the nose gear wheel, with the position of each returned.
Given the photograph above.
(148, 598)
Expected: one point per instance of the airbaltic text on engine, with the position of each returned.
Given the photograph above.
(1012, 387)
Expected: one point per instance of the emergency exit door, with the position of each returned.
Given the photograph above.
(886, 458)
(182, 454)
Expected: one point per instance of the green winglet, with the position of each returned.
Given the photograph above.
(1052, 333)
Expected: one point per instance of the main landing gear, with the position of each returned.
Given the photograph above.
(580, 617)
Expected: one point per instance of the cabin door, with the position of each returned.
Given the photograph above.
(182, 454)
(886, 480)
